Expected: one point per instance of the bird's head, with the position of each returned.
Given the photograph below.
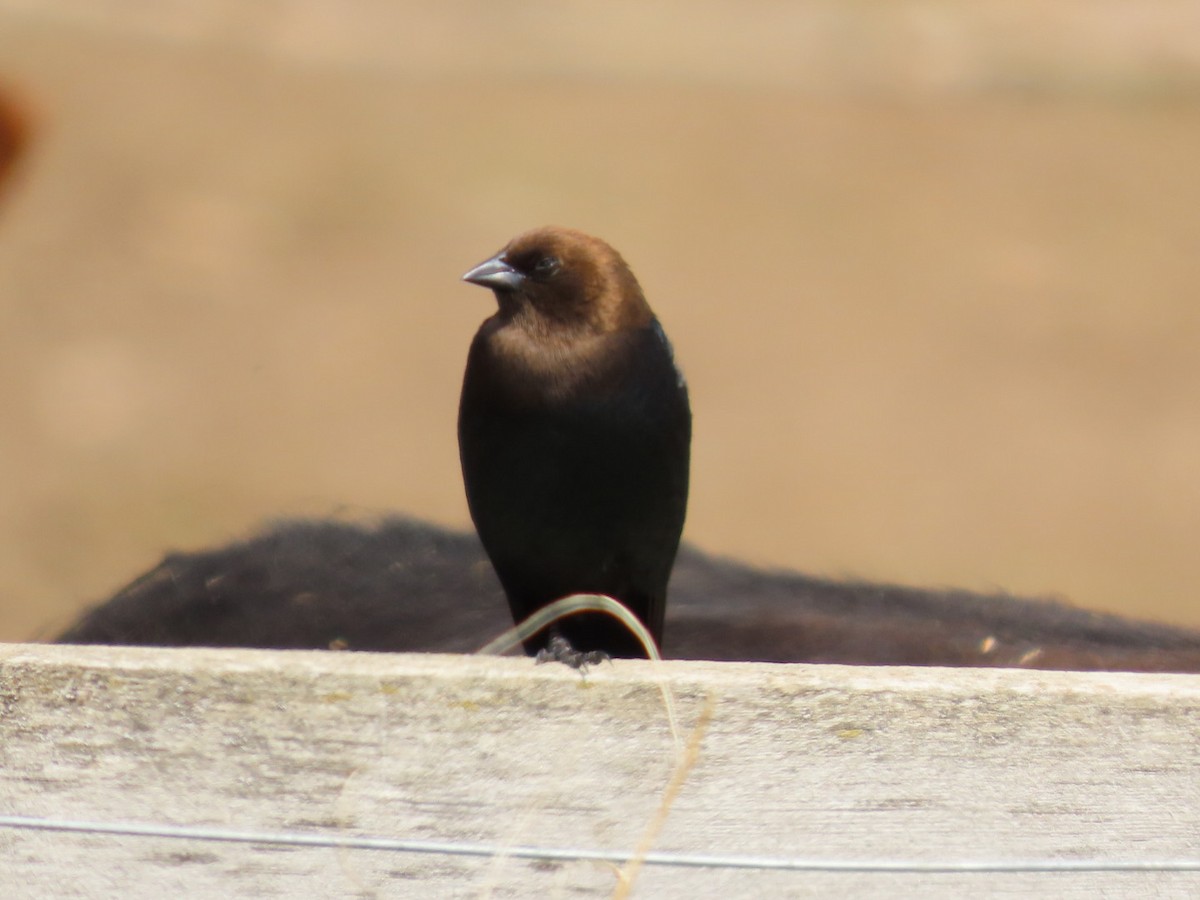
(561, 278)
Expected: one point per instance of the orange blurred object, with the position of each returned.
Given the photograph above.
(14, 134)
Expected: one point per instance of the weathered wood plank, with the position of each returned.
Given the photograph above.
(827, 762)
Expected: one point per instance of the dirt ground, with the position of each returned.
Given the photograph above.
(934, 279)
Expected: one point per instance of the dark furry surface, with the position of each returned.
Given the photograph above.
(405, 585)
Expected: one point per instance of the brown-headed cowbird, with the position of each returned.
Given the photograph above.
(574, 433)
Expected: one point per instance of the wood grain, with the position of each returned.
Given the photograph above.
(822, 762)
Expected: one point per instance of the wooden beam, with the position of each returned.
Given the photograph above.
(919, 767)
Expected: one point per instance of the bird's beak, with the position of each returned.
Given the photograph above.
(495, 274)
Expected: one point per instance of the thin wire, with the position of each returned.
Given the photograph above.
(708, 861)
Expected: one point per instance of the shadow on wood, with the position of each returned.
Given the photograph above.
(405, 585)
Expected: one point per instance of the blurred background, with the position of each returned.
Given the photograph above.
(932, 270)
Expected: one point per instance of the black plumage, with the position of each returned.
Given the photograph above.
(574, 434)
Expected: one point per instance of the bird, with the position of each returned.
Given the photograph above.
(574, 431)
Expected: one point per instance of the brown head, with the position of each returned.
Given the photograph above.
(553, 279)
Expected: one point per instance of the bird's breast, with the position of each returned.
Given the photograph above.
(524, 369)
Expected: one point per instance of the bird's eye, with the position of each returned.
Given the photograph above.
(546, 266)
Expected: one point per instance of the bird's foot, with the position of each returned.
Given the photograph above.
(559, 649)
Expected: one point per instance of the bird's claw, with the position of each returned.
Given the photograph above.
(559, 649)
